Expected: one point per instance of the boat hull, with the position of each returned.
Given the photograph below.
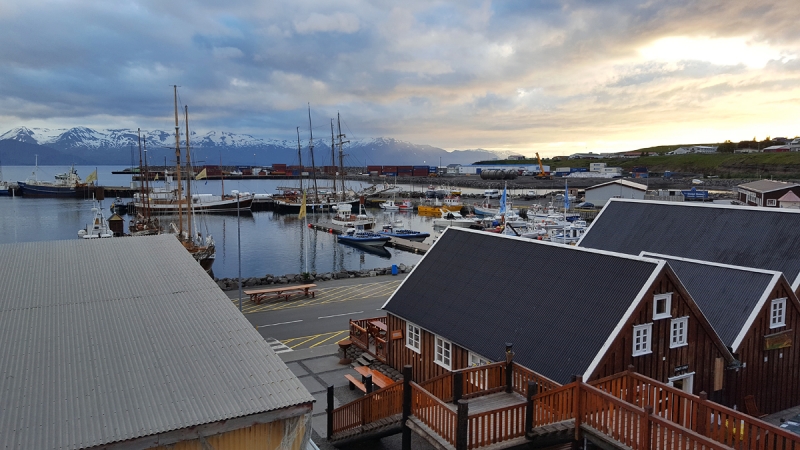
(416, 237)
(222, 206)
(41, 190)
(371, 242)
(285, 207)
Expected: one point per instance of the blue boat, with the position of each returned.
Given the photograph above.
(65, 185)
(411, 235)
(363, 237)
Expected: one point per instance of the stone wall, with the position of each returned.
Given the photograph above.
(227, 284)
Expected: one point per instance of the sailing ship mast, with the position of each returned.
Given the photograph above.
(300, 159)
(311, 150)
(189, 173)
(178, 164)
(341, 153)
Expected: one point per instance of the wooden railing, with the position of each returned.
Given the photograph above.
(381, 348)
(372, 407)
(359, 335)
(434, 413)
(553, 406)
(440, 387)
(521, 375)
(495, 426)
(719, 423)
(483, 380)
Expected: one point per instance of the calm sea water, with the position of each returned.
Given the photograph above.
(270, 243)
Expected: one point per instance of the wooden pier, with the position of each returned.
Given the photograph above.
(398, 243)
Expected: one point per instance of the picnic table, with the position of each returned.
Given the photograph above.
(257, 295)
(379, 326)
(378, 379)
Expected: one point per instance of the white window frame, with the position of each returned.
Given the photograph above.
(683, 336)
(777, 313)
(688, 385)
(772, 202)
(643, 348)
(476, 360)
(412, 332)
(667, 298)
(443, 352)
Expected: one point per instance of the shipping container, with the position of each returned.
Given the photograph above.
(562, 169)
(390, 174)
(279, 166)
(387, 169)
(420, 167)
(579, 169)
(278, 172)
(404, 168)
(376, 169)
(433, 170)
(596, 167)
(420, 172)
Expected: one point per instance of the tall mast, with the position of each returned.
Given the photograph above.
(141, 180)
(178, 165)
(146, 182)
(333, 157)
(311, 150)
(341, 152)
(300, 159)
(189, 173)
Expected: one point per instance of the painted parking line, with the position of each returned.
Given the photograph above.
(313, 340)
(277, 346)
(324, 296)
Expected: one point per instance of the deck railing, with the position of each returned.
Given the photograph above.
(440, 387)
(719, 423)
(359, 335)
(495, 426)
(553, 406)
(482, 380)
(370, 408)
(434, 413)
(521, 375)
(366, 336)
(381, 348)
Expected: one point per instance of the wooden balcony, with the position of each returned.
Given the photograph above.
(370, 335)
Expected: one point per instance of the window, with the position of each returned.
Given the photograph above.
(444, 350)
(771, 202)
(777, 315)
(662, 306)
(641, 339)
(678, 333)
(476, 360)
(412, 336)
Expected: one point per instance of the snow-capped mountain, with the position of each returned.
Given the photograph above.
(120, 146)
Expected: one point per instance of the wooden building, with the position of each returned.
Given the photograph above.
(599, 194)
(755, 313)
(129, 344)
(762, 238)
(765, 192)
(567, 311)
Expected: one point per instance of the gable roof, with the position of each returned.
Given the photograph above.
(764, 238)
(789, 197)
(729, 296)
(625, 183)
(559, 305)
(106, 340)
(767, 186)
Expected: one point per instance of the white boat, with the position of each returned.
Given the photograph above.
(345, 218)
(453, 219)
(389, 205)
(99, 227)
(570, 234)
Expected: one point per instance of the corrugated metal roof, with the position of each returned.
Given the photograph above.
(112, 339)
(764, 238)
(557, 304)
(627, 183)
(767, 185)
(727, 295)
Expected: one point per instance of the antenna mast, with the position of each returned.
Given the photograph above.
(178, 165)
(311, 150)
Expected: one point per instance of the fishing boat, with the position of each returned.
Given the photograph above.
(453, 219)
(406, 205)
(99, 226)
(411, 235)
(345, 218)
(389, 205)
(435, 209)
(67, 184)
(168, 199)
(361, 236)
(570, 234)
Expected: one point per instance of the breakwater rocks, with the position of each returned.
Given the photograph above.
(228, 284)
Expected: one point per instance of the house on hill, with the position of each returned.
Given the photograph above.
(755, 313)
(765, 192)
(762, 238)
(456, 310)
(128, 343)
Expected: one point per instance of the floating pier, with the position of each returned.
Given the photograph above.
(398, 243)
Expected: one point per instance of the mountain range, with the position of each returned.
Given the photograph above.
(85, 146)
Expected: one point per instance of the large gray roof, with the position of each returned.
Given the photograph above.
(727, 295)
(113, 339)
(763, 238)
(557, 304)
(767, 185)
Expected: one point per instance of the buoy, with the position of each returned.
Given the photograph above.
(309, 225)
(330, 230)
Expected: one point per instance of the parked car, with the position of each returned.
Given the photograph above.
(585, 205)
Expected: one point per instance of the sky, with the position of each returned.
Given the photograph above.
(521, 76)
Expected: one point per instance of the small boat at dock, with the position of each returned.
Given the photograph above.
(360, 236)
(411, 235)
(99, 227)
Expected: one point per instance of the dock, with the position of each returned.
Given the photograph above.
(398, 243)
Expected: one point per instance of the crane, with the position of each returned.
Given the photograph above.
(542, 175)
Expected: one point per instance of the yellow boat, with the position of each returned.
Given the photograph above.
(435, 209)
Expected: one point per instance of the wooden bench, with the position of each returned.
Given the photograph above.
(378, 379)
(355, 383)
(257, 295)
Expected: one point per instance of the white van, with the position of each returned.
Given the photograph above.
(491, 193)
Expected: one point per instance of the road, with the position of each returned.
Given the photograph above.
(309, 322)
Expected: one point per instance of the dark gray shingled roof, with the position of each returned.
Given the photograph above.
(112, 339)
(764, 238)
(727, 295)
(557, 304)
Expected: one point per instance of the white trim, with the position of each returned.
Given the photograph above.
(646, 254)
(621, 182)
(625, 317)
(685, 334)
(436, 339)
(754, 313)
(477, 356)
(418, 350)
(646, 337)
(689, 376)
(667, 297)
(772, 202)
(777, 301)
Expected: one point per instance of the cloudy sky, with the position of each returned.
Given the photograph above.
(522, 76)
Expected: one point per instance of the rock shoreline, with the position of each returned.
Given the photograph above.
(228, 284)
